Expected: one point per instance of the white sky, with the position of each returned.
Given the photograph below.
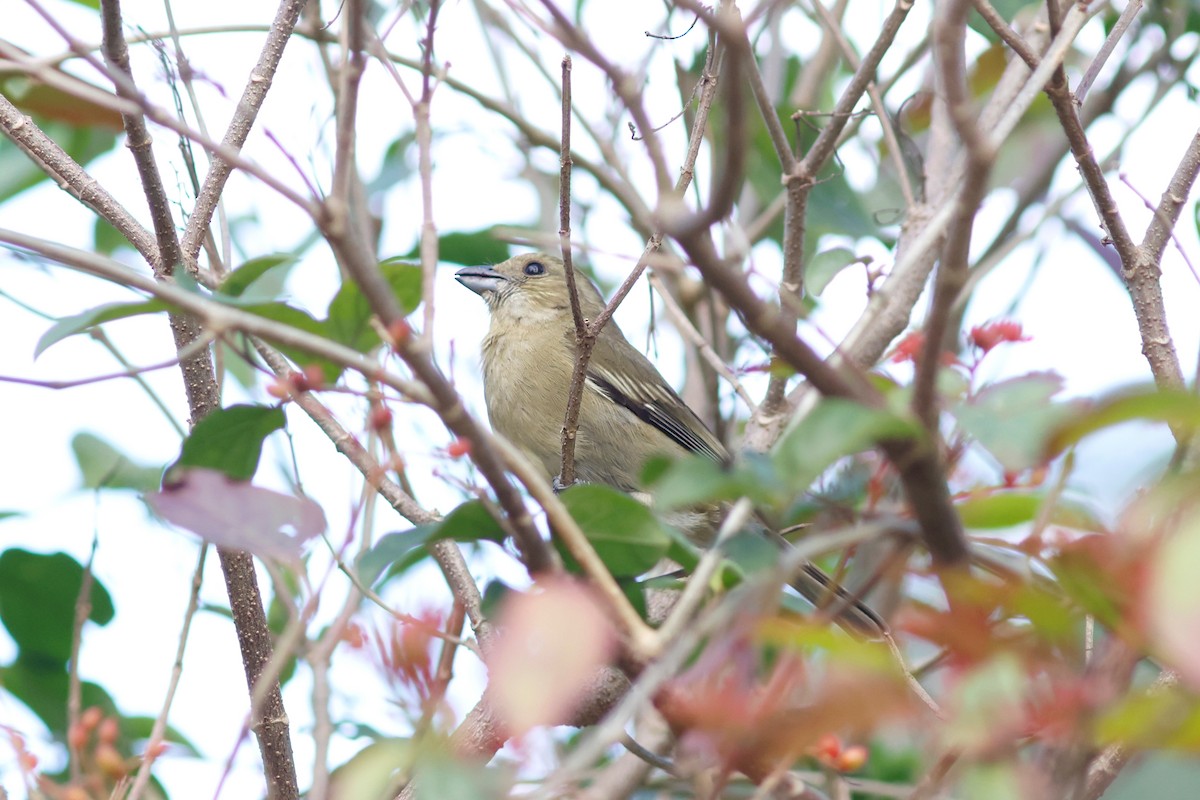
(1077, 315)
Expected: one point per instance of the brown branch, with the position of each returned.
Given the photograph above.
(1140, 268)
(585, 338)
(1010, 37)
(1131, 10)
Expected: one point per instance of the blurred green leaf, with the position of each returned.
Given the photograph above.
(43, 686)
(1177, 408)
(38, 593)
(106, 239)
(627, 536)
(1156, 718)
(834, 429)
(69, 326)
(1006, 8)
(296, 318)
(105, 467)
(349, 314)
(1013, 419)
(1009, 507)
(254, 272)
(825, 266)
(391, 548)
(444, 778)
(377, 772)
(230, 440)
(469, 248)
(470, 522)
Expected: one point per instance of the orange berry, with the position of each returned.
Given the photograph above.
(852, 758)
(459, 448)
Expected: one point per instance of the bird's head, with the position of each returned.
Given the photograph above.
(532, 281)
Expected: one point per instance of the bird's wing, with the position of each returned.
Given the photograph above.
(641, 389)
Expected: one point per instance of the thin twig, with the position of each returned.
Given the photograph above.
(158, 731)
(585, 339)
(1131, 10)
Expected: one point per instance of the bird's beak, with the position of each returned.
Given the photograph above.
(480, 279)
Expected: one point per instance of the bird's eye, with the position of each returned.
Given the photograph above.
(535, 268)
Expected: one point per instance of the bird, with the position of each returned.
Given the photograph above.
(628, 412)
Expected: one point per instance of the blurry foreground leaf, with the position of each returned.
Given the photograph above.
(232, 513)
(105, 467)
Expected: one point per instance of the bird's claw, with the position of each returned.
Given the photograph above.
(558, 486)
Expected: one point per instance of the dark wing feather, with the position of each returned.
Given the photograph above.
(658, 405)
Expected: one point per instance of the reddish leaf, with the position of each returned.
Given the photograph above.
(554, 640)
(235, 514)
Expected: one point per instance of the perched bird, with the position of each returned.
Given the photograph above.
(628, 412)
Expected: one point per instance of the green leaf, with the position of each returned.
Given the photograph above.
(1177, 408)
(470, 522)
(627, 536)
(1009, 507)
(751, 552)
(43, 687)
(469, 248)
(834, 429)
(690, 481)
(349, 313)
(37, 602)
(106, 239)
(255, 271)
(296, 318)
(69, 326)
(105, 467)
(825, 266)
(999, 509)
(371, 772)
(391, 548)
(1013, 419)
(230, 440)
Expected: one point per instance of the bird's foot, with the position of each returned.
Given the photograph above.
(559, 487)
